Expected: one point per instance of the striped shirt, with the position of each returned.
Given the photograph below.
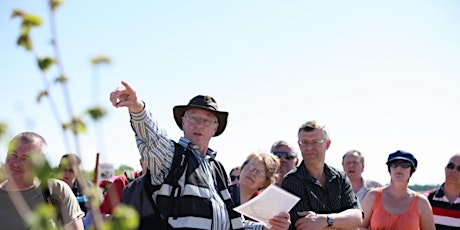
(336, 196)
(157, 150)
(446, 214)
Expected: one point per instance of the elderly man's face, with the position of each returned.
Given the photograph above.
(199, 126)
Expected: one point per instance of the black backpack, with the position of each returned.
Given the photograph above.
(138, 193)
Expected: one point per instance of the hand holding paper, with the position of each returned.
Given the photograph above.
(268, 204)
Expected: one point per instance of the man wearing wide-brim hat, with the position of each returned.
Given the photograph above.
(205, 205)
(203, 200)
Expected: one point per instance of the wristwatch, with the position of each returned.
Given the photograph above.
(330, 221)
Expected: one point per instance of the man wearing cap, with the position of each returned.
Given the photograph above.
(287, 156)
(445, 200)
(208, 204)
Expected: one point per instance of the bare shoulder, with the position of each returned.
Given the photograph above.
(423, 200)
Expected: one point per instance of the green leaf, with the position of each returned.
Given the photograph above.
(42, 94)
(100, 59)
(24, 41)
(31, 20)
(55, 4)
(97, 112)
(61, 79)
(45, 63)
(78, 126)
(17, 13)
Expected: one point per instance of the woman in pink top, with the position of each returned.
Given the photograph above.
(395, 206)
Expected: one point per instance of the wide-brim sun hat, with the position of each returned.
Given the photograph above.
(402, 155)
(202, 102)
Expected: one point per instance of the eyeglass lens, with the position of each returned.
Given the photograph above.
(286, 155)
(452, 166)
(401, 163)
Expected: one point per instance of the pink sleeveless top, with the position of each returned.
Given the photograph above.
(383, 220)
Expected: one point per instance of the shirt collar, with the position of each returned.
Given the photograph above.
(186, 143)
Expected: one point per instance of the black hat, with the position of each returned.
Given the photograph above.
(202, 102)
(402, 155)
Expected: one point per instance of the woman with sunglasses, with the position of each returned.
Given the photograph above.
(396, 206)
(257, 173)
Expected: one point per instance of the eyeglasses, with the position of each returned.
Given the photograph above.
(199, 120)
(251, 168)
(286, 155)
(453, 166)
(313, 143)
(233, 177)
(403, 164)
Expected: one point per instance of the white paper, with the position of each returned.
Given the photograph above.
(268, 204)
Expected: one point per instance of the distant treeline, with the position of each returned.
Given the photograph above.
(423, 188)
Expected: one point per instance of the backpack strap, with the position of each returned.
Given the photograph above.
(178, 166)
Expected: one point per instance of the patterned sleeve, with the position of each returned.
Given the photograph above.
(66, 202)
(153, 144)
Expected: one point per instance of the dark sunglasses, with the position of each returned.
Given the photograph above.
(403, 164)
(232, 177)
(453, 166)
(286, 155)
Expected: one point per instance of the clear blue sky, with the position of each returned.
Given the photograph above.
(383, 75)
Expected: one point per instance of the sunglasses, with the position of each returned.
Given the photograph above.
(286, 155)
(403, 164)
(453, 166)
(233, 177)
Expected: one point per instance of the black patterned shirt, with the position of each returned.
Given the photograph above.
(335, 197)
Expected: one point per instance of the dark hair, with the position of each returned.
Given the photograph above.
(233, 169)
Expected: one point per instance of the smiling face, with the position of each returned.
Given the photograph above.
(199, 126)
(18, 163)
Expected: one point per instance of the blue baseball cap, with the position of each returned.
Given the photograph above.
(402, 155)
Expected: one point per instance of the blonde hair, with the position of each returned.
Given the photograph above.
(271, 164)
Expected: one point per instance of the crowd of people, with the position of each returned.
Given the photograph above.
(183, 186)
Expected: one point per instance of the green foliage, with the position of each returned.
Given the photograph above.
(43, 218)
(125, 217)
(62, 79)
(28, 22)
(122, 169)
(76, 126)
(41, 94)
(45, 63)
(25, 41)
(55, 4)
(3, 130)
(96, 112)
(100, 59)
